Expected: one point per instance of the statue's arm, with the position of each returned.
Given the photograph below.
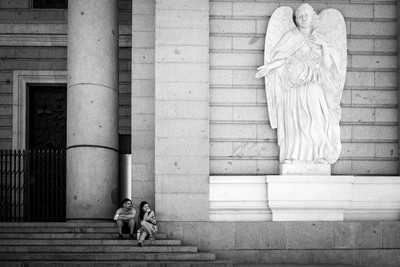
(265, 69)
(326, 60)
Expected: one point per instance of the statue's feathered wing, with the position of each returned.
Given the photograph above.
(280, 23)
(332, 26)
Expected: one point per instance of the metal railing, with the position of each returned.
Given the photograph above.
(32, 185)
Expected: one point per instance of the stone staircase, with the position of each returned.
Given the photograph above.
(95, 244)
(88, 244)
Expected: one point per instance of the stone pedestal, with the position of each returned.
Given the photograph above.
(309, 198)
(304, 198)
(239, 198)
(92, 110)
(305, 169)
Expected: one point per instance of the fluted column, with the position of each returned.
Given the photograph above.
(92, 109)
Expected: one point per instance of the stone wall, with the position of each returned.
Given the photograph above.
(241, 139)
(182, 110)
(367, 244)
(35, 39)
(143, 84)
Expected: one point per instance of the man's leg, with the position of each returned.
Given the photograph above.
(131, 227)
(119, 226)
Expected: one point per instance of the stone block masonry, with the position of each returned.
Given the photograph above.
(366, 244)
(143, 84)
(14, 4)
(182, 110)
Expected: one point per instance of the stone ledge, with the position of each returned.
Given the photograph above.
(304, 198)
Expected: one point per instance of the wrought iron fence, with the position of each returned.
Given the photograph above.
(32, 185)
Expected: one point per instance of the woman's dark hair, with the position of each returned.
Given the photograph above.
(141, 212)
(125, 200)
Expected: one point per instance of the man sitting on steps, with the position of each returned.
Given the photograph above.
(125, 214)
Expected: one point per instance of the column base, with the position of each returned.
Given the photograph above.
(92, 183)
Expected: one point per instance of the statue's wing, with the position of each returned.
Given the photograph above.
(332, 26)
(280, 23)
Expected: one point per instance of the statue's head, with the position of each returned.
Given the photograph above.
(305, 16)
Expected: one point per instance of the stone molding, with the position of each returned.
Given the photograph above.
(48, 40)
(304, 198)
(239, 198)
(21, 34)
(22, 78)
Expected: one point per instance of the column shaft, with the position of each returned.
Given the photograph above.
(92, 109)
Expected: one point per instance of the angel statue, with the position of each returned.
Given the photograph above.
(304, 69)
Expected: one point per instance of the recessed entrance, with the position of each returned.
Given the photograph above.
(47, 117)
(39, 129)
(46, 135)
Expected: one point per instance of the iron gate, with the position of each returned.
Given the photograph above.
(32, 185)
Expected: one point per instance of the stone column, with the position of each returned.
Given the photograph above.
(92, 110)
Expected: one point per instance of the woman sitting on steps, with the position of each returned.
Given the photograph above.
(148, 223)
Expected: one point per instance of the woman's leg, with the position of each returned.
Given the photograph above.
(142, 236)
(147, 227)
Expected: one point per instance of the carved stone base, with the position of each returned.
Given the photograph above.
(239, 198)
(304, 198)
(309, 198)
(305, 169)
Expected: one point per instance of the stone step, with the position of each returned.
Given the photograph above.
(86, 242)
(50, 235)
(101, 256)
(217, 263)
(89, 244)
(131, 248)
(57, 224)
(44, 229)
(289, 265)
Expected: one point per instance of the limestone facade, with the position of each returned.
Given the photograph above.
(188, 96)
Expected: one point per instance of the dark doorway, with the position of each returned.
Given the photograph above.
(47, 117)
(62, 4)
(46, 143)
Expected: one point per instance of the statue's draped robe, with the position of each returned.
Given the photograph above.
(307, 113)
